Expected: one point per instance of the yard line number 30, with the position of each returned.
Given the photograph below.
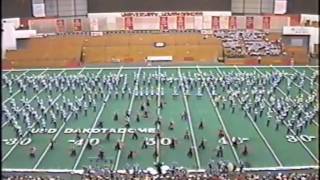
(13, 141)
(303, 137)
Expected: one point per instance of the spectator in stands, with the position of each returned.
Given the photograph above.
(252, 43)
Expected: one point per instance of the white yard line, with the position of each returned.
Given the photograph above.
(135, 89)
(19, 75)
(17, 92)
(262, 136)
(158, 113)
(11, 97)
(15, 145)
(47, 109)
(33, 97)
(7, 72)
(90, 133)
(53, 139)
(301, 142)
(5, 123)
(119, 151)
(280, 90)
(220, 119)
(305, 76)
(151, 67)
(295, 84)
(56, 135)
(36, 95)
(129, 111)
(190, 123)
(312, 68)
(93, 125)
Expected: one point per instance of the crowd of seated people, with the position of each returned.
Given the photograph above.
(30, 177)
(217, 176)
(219, 171)
(224, 176)
(241, 43)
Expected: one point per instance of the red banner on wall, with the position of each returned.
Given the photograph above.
(60, 27)
(77, 26)
(164, 23)
(266, 22)
(249, 22)
(180, 23)
(24, 23)
(128, 23)
(295, 20)
(232, 22)
(215, 22)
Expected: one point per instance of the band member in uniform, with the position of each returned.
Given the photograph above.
(186, 135)
(190, 152)
(73, 151)
(245, 150)
(144, 144)
(201, 125)
(134, 135)
(221, 133)
(101, 154)
(115, 117)
(219, 151)
(33, 152)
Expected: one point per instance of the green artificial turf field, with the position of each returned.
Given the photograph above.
(267, 148)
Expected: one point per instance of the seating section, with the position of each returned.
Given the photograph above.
(244, 43)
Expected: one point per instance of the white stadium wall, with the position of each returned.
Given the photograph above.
(8, 38)
(194, 20)
(312, 32)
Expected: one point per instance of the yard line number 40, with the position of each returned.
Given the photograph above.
(96, 141)
(151, 141)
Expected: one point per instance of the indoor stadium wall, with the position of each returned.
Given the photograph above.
(59, 52)
(135, 48)
(104, 48)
